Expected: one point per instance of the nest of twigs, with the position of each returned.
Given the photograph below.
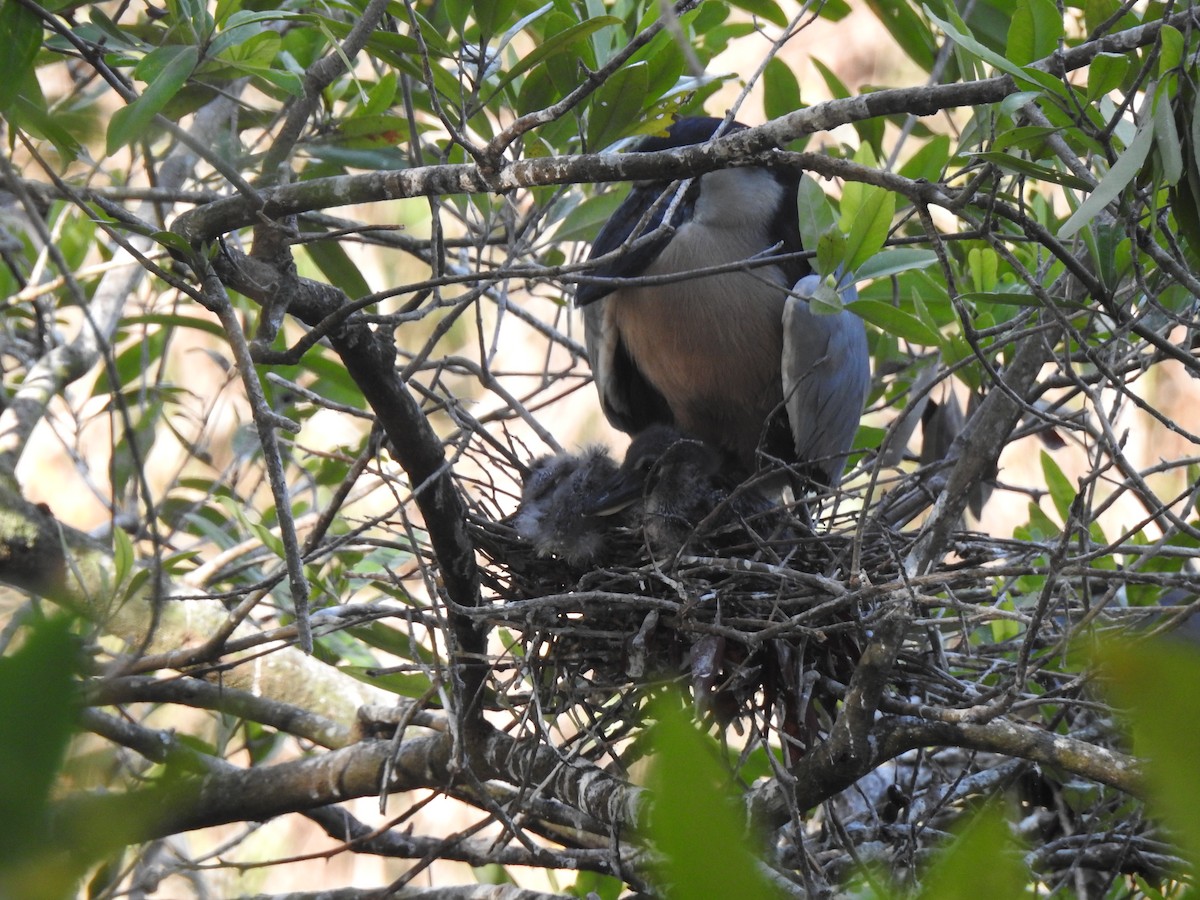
(759, 622)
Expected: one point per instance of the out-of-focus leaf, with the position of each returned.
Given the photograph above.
(1036, 28)
(815, 212)
(1124, 170)
(1062, 492)
(831, 250)
(21, 37)
(130, 122)
(616, 106)
(908, 29)
(983, 265)
(1166, 141)
(764, 9)
(886, 263)
(1105, 73)
(246, 24)
(560, 42)
(593, 884)
(1156, 685)
(38, 708)
(1171, 45)
(781, 89)
(867, 213)
(412, 685)
(696, 826)
(930, 161)
(493, 15)
(582, 223)
(985, 845)
(335, 264)
(895, 321)
(966, 41)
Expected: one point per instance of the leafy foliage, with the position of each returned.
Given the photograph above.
(287, 320)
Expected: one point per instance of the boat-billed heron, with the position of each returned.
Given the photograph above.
(683, 492)
(734, 358)
(556, 498)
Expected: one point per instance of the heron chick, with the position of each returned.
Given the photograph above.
(555, 497)
(681, 483)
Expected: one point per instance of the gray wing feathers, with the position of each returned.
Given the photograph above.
(826, 377)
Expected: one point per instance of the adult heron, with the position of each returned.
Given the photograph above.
(685, 323)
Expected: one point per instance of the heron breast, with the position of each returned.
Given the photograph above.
(710, 345)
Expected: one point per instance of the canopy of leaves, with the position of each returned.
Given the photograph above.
(287, 319)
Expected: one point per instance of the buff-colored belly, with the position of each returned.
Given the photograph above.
(711, 346)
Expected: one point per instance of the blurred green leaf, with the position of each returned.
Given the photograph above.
(582, 223)
(412, 685)
(695, 823)
(170, 71)
(616, 106)
(984, 846)
(21, 38)
(37, 702)
(1021, 166)
(814, 212)
(1036, 29)
(1154, 682)
(765, 9)
(781, 89)
(1119, 177)
(896, 321)
(890, 262)
(1106, 73)
(1062, 491)
(493, 15)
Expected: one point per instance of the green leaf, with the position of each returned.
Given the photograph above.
(1166, 139)
(831, 250)
(493, 15)
(895, 321)
(1022, 166)
(1062, 492)
(582, 223)
(171, 73)
(867, 213)
(985, 845)
(837, 89)
(815, 212)
(21, 38)
(337, 266)
(246, 24)
(691, 787)
(1155, 684)
(781, 89)
(615, 108)
(964, 40)
(402, 683)
(930, 161)
(983, 263)
(1036, 29)
(1106, 73)
(381, 97)
(38, 704)
(894, 261)
(560, 42)
(1171, 49)
(764, 9)
(123, 555)
(1124, 170)
(908, 29)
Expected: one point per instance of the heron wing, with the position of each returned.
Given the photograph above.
(637, 223)
(826, 377)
